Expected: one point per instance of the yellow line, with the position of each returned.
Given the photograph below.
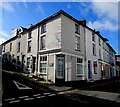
(63, 92)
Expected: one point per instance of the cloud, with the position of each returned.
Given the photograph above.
(106, 9)
(40, 9)
(2, 40)
(3, 34)
(104, 25)
(25, 3)
(7, 6)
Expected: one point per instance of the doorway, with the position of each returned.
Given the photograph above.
(89, 70)
(60, 69)
(22, 66)
(33, 64)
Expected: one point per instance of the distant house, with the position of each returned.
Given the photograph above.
(61, 48)
(117, 57)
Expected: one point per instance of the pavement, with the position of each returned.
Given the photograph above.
(101, 95)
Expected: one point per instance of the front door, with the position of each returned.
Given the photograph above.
(23, 56)
(33, 64)
(60, 72)
(89, 70)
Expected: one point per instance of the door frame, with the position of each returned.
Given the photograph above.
(60, 80)
(89, 70)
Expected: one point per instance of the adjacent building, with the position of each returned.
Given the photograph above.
(61, 48)
(117, 57)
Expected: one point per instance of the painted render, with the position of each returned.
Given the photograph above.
(60, 48)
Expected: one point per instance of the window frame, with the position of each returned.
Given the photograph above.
(28, 63)
(19, 45)
(93, 37)
(43, 28)
(4, 48)
(77, 28)
(30, 35)
(43, 60)
(10, 47)
(29, 46)
(77, 43)
(81, 64)
(43, 45)
(94, 49)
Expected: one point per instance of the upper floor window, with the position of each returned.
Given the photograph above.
(99, 41)
(29, 46)
(3, 48)
(93, 37)
(29, 35)
(94, 50)
(10, 46)
(43, 42)
(100, 53)
(18, 47)
(77, 43)
(77, 29)
(43, 28)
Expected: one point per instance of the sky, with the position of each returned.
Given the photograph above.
(101, 16)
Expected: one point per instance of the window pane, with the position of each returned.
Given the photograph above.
(79, 60)
(43, 42)
(79, 69)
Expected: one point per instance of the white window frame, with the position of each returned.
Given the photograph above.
(41, 44)
(41, 62)
(43, 28)
(10, 47)
(94, 46)
(19, 45)
(29, 62)
(29, 46)
(77, 43)
(82, 67)
(93, 37)
(77, 28)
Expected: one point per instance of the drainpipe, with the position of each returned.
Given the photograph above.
(37, 50)
(85, 63)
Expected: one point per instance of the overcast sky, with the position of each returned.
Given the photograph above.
(102, 16)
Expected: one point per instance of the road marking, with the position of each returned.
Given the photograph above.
(23, 96)
(29, 99)
(41, 97)
(21, 86)
(46, 93)
(9, 99)
(14, 101)
(63, 92)
(36, 95)
(52, 95)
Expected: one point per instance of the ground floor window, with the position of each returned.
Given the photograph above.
(28, 62)
(43, 64)
(79, 66)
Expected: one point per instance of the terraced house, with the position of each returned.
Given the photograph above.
(60, 48)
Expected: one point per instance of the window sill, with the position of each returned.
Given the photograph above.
(30, 38)
(43, 32)
(77, 50)
(80, 75)
(43, 73)
(77, 33)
